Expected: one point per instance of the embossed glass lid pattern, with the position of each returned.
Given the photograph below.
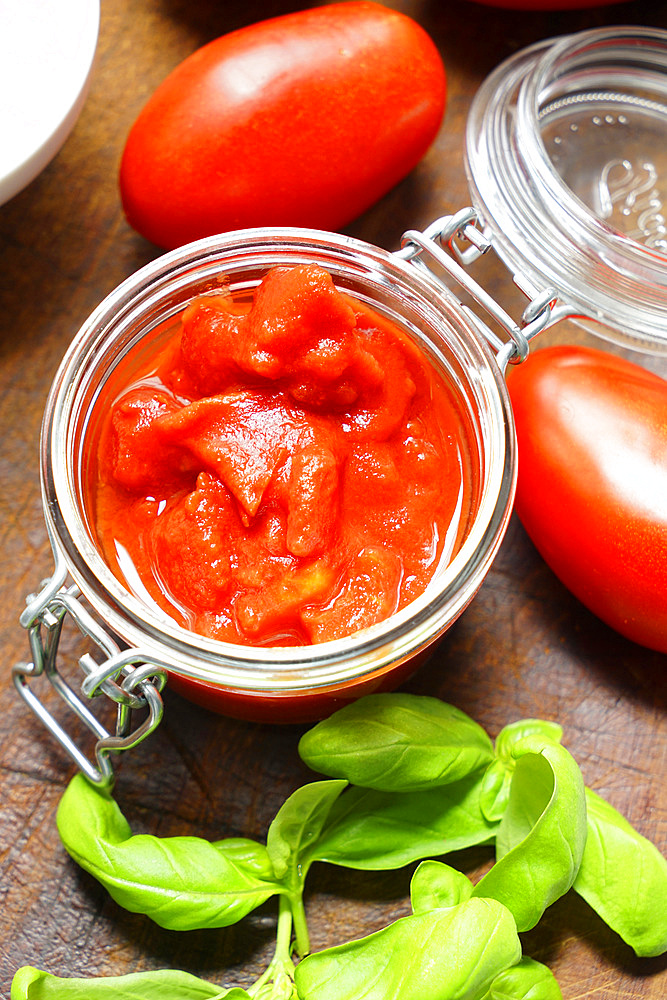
(567, 163)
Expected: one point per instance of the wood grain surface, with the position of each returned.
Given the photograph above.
(525, 647)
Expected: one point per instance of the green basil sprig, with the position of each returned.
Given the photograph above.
(622, 875)
(428, 781)
(290, 841)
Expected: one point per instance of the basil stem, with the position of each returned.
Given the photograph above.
(541, 837)
(623, 877)
(277, 981)
(181, 883)
(292, 833)
(397, 743)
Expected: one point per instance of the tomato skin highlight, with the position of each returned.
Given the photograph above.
(592, 482)
(546, 4)
(303, 120)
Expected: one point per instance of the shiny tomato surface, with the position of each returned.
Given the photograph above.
(592, 483)
(302, 120)
(284, 471)
(546, 4)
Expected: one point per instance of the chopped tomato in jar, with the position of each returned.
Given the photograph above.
(283, 471)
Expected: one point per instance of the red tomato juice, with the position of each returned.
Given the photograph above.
(283, 471)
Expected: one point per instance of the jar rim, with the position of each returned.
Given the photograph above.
(540, 225)
(267, 668)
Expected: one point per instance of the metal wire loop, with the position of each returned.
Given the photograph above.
(437, 244)
(122, 662)
(142, 678)
(36, 604)
(117, 744)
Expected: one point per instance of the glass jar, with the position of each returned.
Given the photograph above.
(279, 683)
(566, 160)
(554, 135)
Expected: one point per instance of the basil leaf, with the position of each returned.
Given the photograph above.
(181, 883)
(247, 854)
(435, 886)
(498, 778)
(397, 743)
(623, 877)
(541, 837)
(297, 826)
(164, 984)
(512, 734)
(446, 954)
(495, 790)
(528, 980)
(377, 830)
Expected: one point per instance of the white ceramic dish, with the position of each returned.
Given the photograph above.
(46, 56)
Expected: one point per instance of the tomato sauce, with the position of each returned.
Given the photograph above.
(282, 471)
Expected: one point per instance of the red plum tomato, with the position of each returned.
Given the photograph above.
(592, 483)
(306, 119)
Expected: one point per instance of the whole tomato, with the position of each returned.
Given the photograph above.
(592, 482)
(302, 120)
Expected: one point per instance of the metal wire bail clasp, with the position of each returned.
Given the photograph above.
(131, 678)
(438, 244)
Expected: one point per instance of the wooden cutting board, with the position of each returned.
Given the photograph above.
(525, 647)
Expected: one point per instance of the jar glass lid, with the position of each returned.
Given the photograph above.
(566, 156)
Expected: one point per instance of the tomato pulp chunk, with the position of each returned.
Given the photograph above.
(284, 471)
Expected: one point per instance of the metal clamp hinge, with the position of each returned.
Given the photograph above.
(438, 243)
(130, 678)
